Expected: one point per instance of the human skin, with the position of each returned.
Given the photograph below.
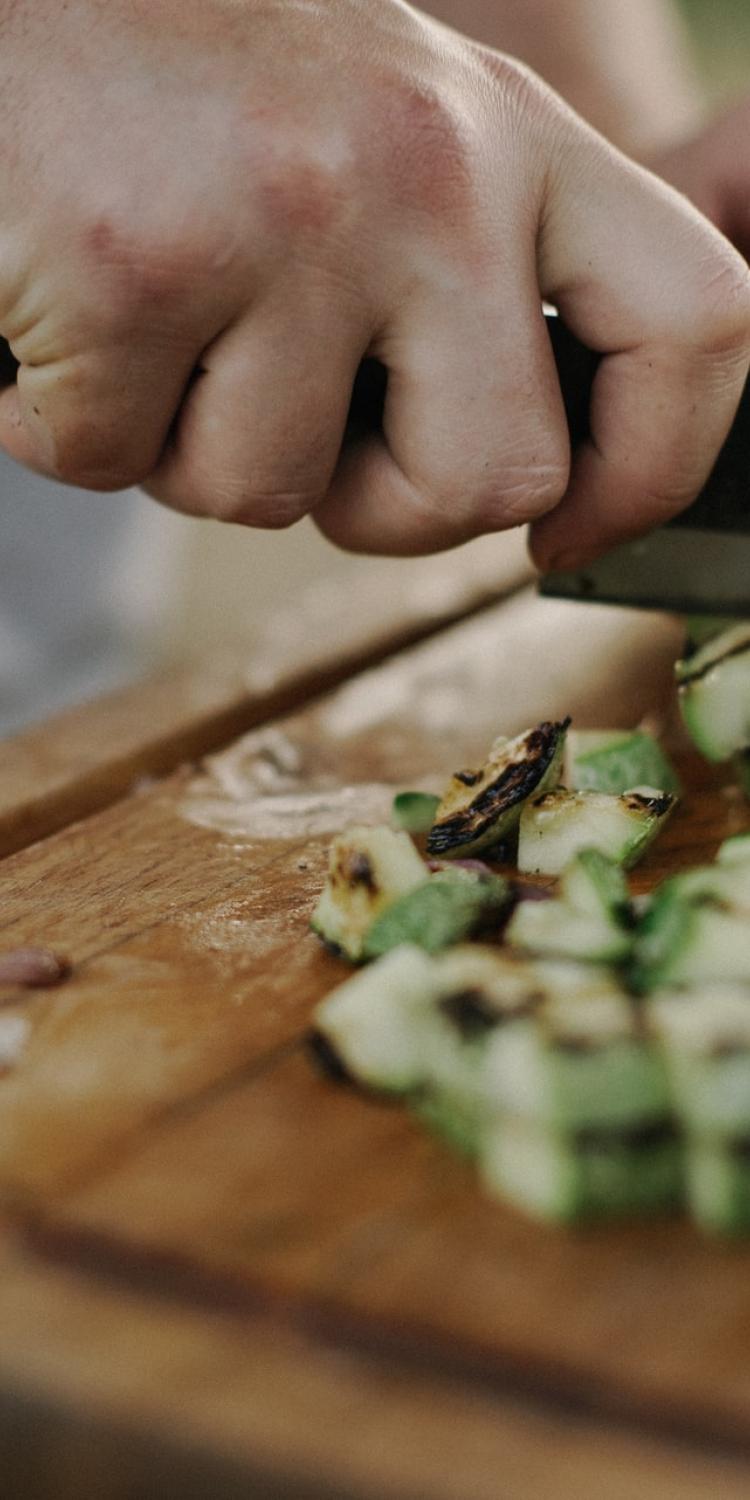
(204, 231)
(711, 167)
(625, 65)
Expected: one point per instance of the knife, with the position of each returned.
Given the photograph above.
(699, 563)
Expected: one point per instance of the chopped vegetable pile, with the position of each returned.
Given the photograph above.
(592, 1055)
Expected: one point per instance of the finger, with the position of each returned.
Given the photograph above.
(645, 280)
(658, 420)
(474, 435)
(260, 432)
(98, 419)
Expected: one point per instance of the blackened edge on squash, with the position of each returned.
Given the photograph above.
(327, 1059)
(470, 1012)
(515, 784)
(637, 802)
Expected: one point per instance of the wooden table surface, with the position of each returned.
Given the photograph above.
(222, 1276)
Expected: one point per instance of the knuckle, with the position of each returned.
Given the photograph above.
(525, 497)
(275, 510)
(139, 269)
(245, 503)
(503, 496)
(513, 494)
(302, 194)
(724, 304)
(517, 92)
(515, 80)
(426, 149)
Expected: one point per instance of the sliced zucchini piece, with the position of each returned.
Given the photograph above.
(594, 884)
(689, 940)
(558, 825)
(714, 694)
(735, 851)
(478, 993)
(614, 761)
(368, 869)
(557, 978)
(591, 921)
(586, 1175)
(554, 927)
(411, 1023)
(481, 808)
(415, 811)
(452, 1116)
(445, 909)
(370, 1025)
(718, 1185)
(705, 1036)
(579, 1060)
(726, 885)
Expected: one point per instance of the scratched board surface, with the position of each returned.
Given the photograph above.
(163, 1116)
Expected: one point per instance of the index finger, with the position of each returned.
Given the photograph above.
(642, 278)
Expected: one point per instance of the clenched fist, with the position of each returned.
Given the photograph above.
(212, 210)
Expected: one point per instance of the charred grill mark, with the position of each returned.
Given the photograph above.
(470, 1012)
(335, 949)
(467, 778)
(625, 915)
(580, 1046)
(645, 1137)
(635, 802)
(357, 870)
(327, 1059)
(474, 1015)
(514, 784)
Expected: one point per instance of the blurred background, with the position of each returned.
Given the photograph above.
(96, 590)
(721, 35)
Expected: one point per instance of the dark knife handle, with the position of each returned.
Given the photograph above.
(576, 367)
(723, 505)
(724, 502)
(8, 365)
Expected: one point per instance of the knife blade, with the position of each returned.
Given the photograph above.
(699, 563)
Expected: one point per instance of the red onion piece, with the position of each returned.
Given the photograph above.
(33, 968)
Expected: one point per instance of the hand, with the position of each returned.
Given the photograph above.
(712, 168)
(211, 211)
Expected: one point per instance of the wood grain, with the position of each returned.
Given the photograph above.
(118, 1393)
(303, 1196)
(184, 909)
(84, 759)
(383, 1327)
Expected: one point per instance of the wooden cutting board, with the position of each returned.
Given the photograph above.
(318, 1287)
